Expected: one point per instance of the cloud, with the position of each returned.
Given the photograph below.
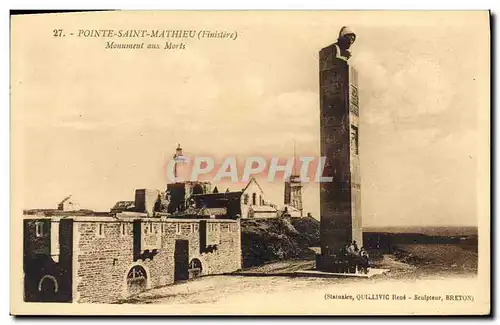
(390, 93)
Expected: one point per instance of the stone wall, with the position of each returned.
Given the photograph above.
(37, 244)
(102, 262)
(43, 240)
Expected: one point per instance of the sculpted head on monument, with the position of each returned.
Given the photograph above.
(345, 40)
(346, 37)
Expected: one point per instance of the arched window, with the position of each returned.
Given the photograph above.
(136, 279)
(195, 268)
(245, 199)
(254, 199)
(261, 201)
(137, 272)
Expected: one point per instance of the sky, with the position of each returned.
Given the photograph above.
(99, 123)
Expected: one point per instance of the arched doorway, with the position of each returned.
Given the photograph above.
(48, 285)
(195, 268)
(136, 280)
(48, 288)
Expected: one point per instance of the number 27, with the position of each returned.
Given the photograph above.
(57, 32)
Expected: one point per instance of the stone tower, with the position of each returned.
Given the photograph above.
(293, 187)
(340, 200)
(180, 191)
(293, 193)
(181, 167)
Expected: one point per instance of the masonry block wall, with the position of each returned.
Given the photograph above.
(101, 261)
(147, 200)
(104, 259)
(97, 262)
(47, 262)
(340, 200)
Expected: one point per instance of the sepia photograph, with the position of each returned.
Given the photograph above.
(250, 163)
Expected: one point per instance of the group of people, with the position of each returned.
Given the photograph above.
(358, 256)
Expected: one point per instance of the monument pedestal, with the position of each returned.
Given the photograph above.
(322, 274)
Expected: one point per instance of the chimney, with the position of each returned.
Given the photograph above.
(146, 200)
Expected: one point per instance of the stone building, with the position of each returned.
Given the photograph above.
(68, 204)
(254, 204)
(293, 196)
(90, 257)
(179, 193)
(248, 203)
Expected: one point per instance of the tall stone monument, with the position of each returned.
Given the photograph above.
(340, 200)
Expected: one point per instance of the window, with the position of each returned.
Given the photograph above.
(124, 229)
(213, 227)
(261, 201)
(100, 230)
(196, 227)
(191, 227)
(148, 228)
(245, 199)
(178, 229)
(254, 199)
(39, 229)
(354, 140)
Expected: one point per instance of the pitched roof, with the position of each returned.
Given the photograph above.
(256, 183)
(213, 211)
(65, 199)
(123, 205)
(216, 200)
(218, 195)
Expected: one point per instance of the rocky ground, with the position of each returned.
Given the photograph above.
(272, 240)
(268, 240)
